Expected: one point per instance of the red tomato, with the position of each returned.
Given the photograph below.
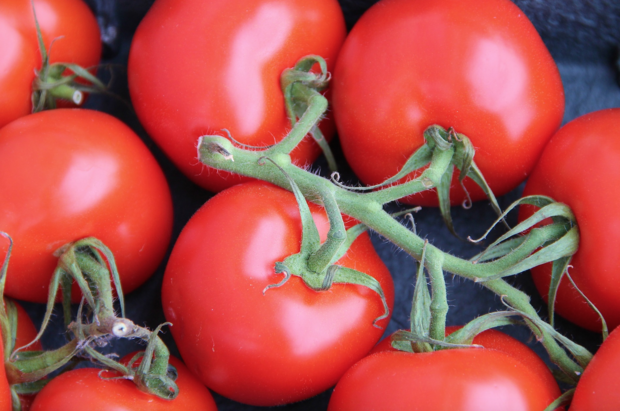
(497, 340)
(458, 379)
(477, 66)
(581, 168)
(83, 389)
(197, 67)
(67, 174)
(288, 344)
(598, 386)
(69, 24)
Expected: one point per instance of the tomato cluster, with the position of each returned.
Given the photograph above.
(279, 291)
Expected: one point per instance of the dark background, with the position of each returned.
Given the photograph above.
(583, 37)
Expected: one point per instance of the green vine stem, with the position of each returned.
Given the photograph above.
(218, 152)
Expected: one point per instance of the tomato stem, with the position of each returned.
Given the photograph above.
(367, 208)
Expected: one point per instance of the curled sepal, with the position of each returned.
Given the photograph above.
(604, 329)
(563, 400)
(420, 158)
(305, 104)
(548, 208)
(154, 375)
(555, 242)
(580, 353)
(420, 317)
(310, 240)
(337, 274)
(31, 366)
(480, 324)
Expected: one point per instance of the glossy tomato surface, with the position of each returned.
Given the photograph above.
(287, 344)
(67, 174)
(598, 387)
(197, 67)
(477, 66)
(459, 379)
(85, 389)
(497, 340)
(581, 168)
(68, 24)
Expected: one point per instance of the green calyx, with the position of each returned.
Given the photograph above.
(302, 98)
(315, 263)
(91, 265)
(55, 81)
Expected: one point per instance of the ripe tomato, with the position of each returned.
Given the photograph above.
(84, 388)
(67, 174)
(477, 66)
(497, 340)
(581, 168)
(197, 67)
(69, 24)
(458, 379)
(282, 346)
(598, 386)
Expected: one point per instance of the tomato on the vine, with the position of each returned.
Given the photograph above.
(474, 379)
(197, 67)
(598, 386)
(581, 168)
(268, 347)
(477, 66)
(497, 340)
(67, 174)
(69, 24)
(89, 388)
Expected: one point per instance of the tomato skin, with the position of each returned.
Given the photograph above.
(228, 75)
(286, 345)
(81, 389)
(67, 174)
(458, 379)
(497, 340)
(69, 24)
(598, 386)
(581, 168)
(479, 67)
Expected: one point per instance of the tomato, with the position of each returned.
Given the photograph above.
(67, 174)
(197, 67)
(69, 24)
(477, 66)
(457, 379)
(598, 386)
(497, 340)
(581, 168)
(282, 346)
(84, 388)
